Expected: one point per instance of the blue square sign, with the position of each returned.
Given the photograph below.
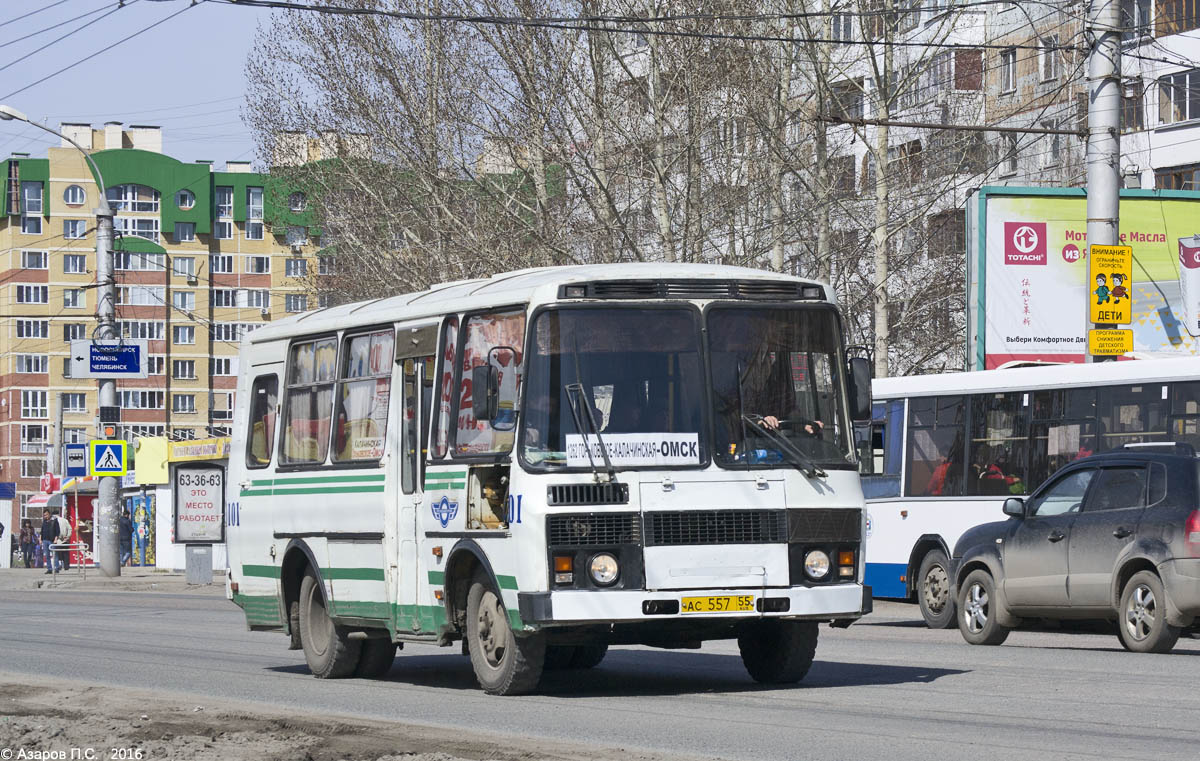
(107, 457)
(77, 460)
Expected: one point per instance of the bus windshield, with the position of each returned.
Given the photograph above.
(642, 382)
(776, 380)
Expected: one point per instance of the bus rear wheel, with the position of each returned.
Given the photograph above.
(504, 663)
(778, 652)
(330, 652)
(376, 659)
(934, 591)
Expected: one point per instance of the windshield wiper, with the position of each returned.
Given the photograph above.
(575, 392)
(803, 462)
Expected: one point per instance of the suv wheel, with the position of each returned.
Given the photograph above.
(1143, 627)
(934, 592)
(976, 610)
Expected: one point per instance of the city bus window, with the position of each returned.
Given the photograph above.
(1131, 414)
(1185, 413)
(445, 375)
(364, 393)
(999, 427)
(309, 402)
(935, 447)
(1062, 431)
(494, 340)
(264, 397)
(416, 406)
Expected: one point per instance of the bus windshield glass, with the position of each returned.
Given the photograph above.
(642, 383)
(776, 381)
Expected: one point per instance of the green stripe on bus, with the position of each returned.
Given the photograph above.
(353, 574)
(437, 577)
(265, 571)
(380, 610)
(444, 485)
(507, 582)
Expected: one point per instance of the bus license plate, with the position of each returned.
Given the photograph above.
(721, 604)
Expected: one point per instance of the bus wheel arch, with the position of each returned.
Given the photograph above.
(929, 581)
(465, 558)
(298, 557)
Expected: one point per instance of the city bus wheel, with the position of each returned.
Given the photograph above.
(778, 652)
(330, 653)
(934, 591)
(504, 663)
(588, 656)
(376, 659)
(977, 610)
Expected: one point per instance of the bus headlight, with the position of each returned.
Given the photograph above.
(604, 569)
(816, 564)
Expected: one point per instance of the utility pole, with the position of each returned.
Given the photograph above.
(108, 542)
(1104, 124)
(55, 455)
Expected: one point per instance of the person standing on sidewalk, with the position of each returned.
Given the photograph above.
(64, 537)
(126, 530)
(28, 540)
(49, 534)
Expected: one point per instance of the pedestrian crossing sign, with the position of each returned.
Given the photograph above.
(108, 457)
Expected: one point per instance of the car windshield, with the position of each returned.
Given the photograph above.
(776, 381)
(639, 377)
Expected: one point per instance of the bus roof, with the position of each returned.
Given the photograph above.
(1035, 378)
(538, 284)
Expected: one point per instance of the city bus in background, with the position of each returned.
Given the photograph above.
(944, 451)
(545, 463)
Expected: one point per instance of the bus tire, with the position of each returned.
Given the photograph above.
(777, 651)
(330, 653)
(588, 656)
(376, 659)
(977, 610)
(504, 663)
(935, 593)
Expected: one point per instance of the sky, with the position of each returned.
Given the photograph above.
(185, 75)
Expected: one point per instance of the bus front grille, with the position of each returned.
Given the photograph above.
(807, 525)
(593, 529)
(610, 493)
(716, 527)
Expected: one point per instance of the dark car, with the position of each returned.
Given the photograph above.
(1112, 536)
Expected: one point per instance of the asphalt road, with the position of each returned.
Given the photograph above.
(886, 687)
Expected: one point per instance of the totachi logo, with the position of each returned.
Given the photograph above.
(1024, 242)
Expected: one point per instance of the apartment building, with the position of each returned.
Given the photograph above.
(202, 257)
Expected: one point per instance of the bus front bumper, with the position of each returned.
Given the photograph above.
(836, 602)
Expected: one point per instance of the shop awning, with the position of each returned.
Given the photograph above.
(52, 501)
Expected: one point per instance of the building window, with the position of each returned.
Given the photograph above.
(156, 364)
(73, 298)
(254, 297)
(183, 434)
(142, 400)
(296, 302)
(183, 334)
(224, 202)
(221, 406)
(254, 230)
(326, 265)
(1053, 152)
(148, 329)
(74, 402)
(31, 225)
(1008, 155)
(33, 294)
(258, 265)
(296, 235)
(296, 268)
(32, 363)
(1178, 178)
(1176, 17)
(75, 264)
(137, 262)
(34, 260)
(842, 27)
(1179, 97)
(33, 328)
(947, 234)
(224, 297)
(324, 301)
(220, 264)
(32, 468)
(1048, 58)
(184, 301)
(142, 295)
(183, 266)
(1008, 70)
(297, 202)
(141, 227)
(185, 199)
(254, 213)
(185, 232)
(74, 331)
(31, 198)
(74, 229)
(1135, 19)
(223, 230)
(133, 198)
(224, 366)
(33, 405)
(847, 100)
(34, 438)
(74, 195)
(183, 369)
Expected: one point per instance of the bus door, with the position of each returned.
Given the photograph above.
(414, 355)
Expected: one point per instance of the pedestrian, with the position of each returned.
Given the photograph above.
(126, 529)
(49, 534)
(28, 540)
(64, 537)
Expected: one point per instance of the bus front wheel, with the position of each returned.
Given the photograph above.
(778, 652)
(330, 653)
(934, 591)
(504, 663)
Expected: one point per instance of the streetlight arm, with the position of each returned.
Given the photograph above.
(103, 207)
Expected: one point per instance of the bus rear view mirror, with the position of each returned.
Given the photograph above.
(860, 388)
(485, 392)
(1014, 506)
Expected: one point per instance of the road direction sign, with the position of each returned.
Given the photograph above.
(108, 457)
(77, 460)
(1110, 284)
(108, 359)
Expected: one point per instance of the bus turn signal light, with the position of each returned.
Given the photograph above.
(564, 569)
(846, 557)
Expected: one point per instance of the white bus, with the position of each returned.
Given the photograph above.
(548, 462)
(944, 451)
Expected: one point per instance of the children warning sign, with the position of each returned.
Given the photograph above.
(1111, 272)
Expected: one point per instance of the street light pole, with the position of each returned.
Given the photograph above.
(108, 543)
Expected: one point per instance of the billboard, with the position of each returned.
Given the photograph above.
(1029, 285)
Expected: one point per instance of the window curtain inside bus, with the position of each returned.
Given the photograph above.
(935, 447)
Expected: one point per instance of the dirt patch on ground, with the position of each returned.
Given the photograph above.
(83, 722)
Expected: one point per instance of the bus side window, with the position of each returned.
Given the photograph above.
(264, 399)
(999, 435)
(935, 447)
(418, 396)
(442, 410)
(364, 394)
(497, 340)
(312, 370)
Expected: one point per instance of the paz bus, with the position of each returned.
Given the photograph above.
(944, 451)
(544, 463)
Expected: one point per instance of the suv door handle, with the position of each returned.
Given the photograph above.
(1056, 536)
(1121, 532)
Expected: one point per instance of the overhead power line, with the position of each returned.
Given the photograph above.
(33, 12)
(81, 27)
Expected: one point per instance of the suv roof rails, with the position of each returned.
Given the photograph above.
(1172, 447)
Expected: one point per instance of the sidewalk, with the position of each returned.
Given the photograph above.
(130, 580)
